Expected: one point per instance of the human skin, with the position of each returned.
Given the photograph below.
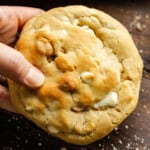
(13, 65)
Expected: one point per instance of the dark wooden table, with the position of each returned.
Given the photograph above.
(17, 133)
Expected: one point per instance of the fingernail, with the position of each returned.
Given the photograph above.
(34, 78)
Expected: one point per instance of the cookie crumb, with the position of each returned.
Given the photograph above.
(141, 51)
(142, 140)
(128, 146)
(135, 137)
(141, 128)
(63, 148)
(147, 112)
(9, 120)
(114, 148)
(142, 90)
(116, 129)
(138, 26)
(120, 141)
(126, 126)
(39, 144)
(138, 17)
(26, 141)
(146, 147)
(18, 127)
(147, 16)
(144, 26)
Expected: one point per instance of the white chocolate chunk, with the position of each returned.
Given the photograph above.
(66, 19)
(53, 130)
(75, 22)
(87, 29)
(95, 21)
(111, 99)
(86, 77)
(61, 33)
(29, 108)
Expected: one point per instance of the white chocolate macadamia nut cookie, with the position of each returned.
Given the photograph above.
(92, 73)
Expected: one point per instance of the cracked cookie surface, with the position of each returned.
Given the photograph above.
(92, 70)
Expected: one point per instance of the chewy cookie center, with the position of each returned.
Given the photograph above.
(78, 65)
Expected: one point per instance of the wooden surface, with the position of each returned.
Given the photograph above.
(17, 133)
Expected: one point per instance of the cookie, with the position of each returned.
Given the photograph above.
(92, 73)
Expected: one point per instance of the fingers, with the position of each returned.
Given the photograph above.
(22, 13)
(15, 66)
(5, 102)
(12, 18)
(12, 63)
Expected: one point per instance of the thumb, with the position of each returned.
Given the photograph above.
(14, 65)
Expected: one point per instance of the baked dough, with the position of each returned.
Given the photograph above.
(92, 73)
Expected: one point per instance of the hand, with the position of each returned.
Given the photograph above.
(12, 63)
